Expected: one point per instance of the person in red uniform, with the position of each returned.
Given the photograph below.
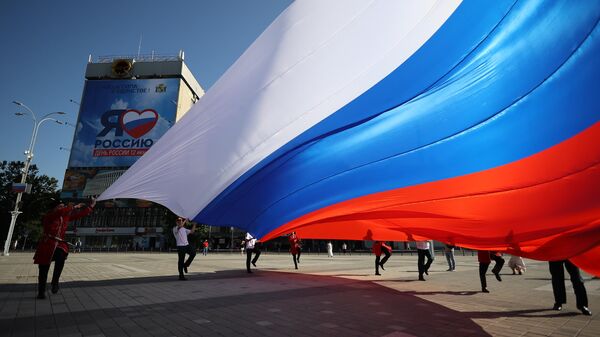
(52, 246)
(295, 248)
(483, 256)
(485, 259)
(497, 257)
(378, 248)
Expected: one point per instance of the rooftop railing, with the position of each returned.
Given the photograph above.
(153, 57)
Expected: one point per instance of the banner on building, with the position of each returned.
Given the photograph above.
(120, 120)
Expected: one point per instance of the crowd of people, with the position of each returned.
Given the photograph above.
(54, 247)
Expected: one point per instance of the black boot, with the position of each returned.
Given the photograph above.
(41, 289)
(42, 279)
(41, 293)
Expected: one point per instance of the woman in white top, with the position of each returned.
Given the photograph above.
(329, 249)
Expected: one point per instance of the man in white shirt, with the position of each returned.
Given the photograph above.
(183, 247)
(251, 247)
(423, 251)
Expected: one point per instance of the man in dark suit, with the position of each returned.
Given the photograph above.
(558, 285)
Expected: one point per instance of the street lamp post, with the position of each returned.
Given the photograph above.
(28, 158)
(231, 244)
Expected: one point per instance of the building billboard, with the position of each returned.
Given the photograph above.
(120, 120)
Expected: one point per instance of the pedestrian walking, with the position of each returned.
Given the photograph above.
(52, 246)
(557, 271)
(205, 247)
(329, 249)
(344, 248)
(183, 247)
(78, 245)
(449, 252)
(423, 252)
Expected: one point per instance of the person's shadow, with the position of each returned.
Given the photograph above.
(457, 293)
(517, 313)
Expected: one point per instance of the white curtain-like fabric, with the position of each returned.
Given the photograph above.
(311, 61)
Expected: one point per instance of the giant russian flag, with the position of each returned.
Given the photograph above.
(474, 122)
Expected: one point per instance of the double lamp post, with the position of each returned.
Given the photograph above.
(28, 158)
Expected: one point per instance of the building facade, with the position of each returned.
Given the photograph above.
(128, 103)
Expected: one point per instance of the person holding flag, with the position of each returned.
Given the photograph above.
(378, 248)
(52, 246)
(295, 248)
(183, 247)
(252, 246)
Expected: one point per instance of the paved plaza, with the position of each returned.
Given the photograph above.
(138, 294)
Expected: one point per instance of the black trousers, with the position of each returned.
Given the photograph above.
(59, 258)
(381, 262)
(483, 268)
(295, 257)
(499, 262)
(422, 253)
(249, 252)
(558, 282)
(181, 251)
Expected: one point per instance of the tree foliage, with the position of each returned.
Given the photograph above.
(33, 205)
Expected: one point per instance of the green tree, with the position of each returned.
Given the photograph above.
(33, 205)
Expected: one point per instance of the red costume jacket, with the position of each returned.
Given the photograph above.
(377, 248)
(294, 244)
(484, 256)
(55, 226)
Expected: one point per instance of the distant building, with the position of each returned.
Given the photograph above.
(128, 103)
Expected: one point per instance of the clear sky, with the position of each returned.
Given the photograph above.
(45, 48)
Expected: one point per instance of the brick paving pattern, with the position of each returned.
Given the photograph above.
(138, 294)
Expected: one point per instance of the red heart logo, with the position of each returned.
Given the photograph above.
(137, 123)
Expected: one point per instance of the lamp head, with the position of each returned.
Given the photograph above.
(18, 103)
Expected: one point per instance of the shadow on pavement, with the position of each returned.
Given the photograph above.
(460, 293)
(520, 313)
(231, 302)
